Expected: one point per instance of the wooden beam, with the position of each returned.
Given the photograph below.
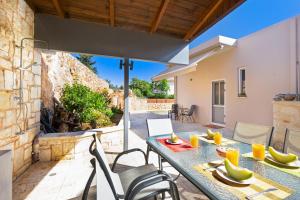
(58, 8)
(159, 15)
(210, 11)
(31, 5)
(112, 12)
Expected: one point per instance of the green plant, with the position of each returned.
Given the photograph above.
(161, 96)
(144, 89)
(116, 110)
(137, 92)
(90, 106)
(171, 96)
(141, 88)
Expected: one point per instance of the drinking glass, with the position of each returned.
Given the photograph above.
(218, 138)
(233, 155)
(258, 151)
(194, 141)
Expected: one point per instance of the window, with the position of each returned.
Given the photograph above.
(242, 82)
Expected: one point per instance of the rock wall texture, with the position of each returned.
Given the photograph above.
(139, 104)
(16, 22)
(286, 114)
(60, 68)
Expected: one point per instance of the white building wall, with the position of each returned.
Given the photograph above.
(269, 58)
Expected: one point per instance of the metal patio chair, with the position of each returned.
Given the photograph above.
(252, 133)
(292, 141)
(174, 110)
(141, 182)
(157, 127)
(189, 114)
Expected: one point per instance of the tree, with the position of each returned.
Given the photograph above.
(112, 86)
(141, 88)
(161, 86)
(87, 61)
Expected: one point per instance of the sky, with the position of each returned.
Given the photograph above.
(251, 16)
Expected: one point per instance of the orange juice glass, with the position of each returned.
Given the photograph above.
(194, 141)
(258, 151)
(218, 138)
(233, 155)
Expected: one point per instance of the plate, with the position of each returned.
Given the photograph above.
(292, 165)
(221, 174)
(206, 137)
(222, 151)
(169, 141)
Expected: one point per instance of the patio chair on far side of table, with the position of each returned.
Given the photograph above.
(253, 133)
(138, 183)
(174, 110)
(189, 114)
(292, 142)
(158, 127)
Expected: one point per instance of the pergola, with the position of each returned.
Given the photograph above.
(156, 30)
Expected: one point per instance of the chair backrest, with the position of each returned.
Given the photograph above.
(159, 127)
(192, 110)
(175, 108)
(292, 142)
(252, 133)
(108, 183)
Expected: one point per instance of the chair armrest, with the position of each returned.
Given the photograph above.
(127, 152)
(149, 179)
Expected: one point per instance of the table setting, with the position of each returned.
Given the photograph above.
(232, 166)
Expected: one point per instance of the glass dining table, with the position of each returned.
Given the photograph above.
(185, 161)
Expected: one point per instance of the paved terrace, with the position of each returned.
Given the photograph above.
(66, 179)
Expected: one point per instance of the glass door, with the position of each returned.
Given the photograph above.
(218, 102)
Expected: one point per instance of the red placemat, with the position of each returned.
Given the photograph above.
(176, 147)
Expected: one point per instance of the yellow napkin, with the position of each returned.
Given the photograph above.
(259, 184)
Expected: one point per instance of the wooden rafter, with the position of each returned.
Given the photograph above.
(160, 14)
(31, 5)
(58, 8)
(112, 12)
(202, 20)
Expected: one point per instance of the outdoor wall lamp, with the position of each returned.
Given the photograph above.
(130, 64)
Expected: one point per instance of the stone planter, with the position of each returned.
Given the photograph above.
(73, 145)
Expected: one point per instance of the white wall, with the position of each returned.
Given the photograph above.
(270, 69)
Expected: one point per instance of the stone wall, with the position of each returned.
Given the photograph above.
(60, 68)
(286, 114)
(64, 146)
(17, 22)
(74, 145)
(139, 104)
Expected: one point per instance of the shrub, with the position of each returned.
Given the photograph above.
(90, 106)
(140, 88)
(144, 89)
(171, 96)
(137, 92)
(116, 110)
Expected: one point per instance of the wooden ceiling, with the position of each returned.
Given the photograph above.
(184, 19)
